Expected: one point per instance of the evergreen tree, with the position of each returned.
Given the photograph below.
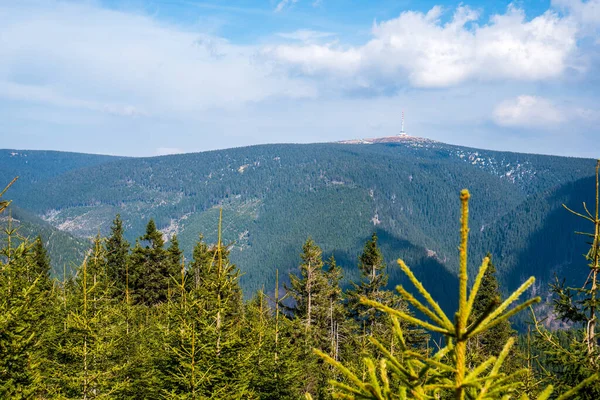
(276, 372)
(201, 261)
(372, 286)
(136, 270)
(40, 265)
(24, 312)
(337, 316)
(24, 309)
(186, 366)
(202, 336)
(310, 295)
(174, 257)
(311, 308)
(89, 361)
(151, 271)
(97, 260)
(302, 288)
(574, 360)
(188, 334)
(370, 321)
(491, 342)
(5, 203)
(404, 374)
(117, 256)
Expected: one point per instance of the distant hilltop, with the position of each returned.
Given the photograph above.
(389, 139)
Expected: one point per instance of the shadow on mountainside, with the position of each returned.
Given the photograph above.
(551, 246)
(436, 278)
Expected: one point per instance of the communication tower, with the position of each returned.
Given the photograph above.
(402, 132)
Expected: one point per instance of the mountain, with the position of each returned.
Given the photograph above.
(37, 166)
(32, 168)
(275, 196)
(64, 249)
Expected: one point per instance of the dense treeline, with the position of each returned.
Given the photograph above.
(136, 321)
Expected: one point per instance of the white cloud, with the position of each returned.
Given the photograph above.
(305, 35)
(283, 4)
(419, 48)
(70, 67)
(587, 13)
(47, 95)
(65, 54)
(528, 111)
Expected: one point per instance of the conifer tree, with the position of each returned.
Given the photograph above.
(137, 267)
(405, 374)
(491, 342)
(309, 290)
(311, 294)
(574, 360)
(185, 366)
(117, 256)
(174, 257)
(40, 265)
(201, 260)
(151, 272)
(24, 311)
(370, 321)
(276, 372)
(23, 320)
(5, 203)
(97, 260)
(372, 286)
(89, 362)
(204, 349)
(337, 316)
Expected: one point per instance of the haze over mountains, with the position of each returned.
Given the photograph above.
(275, 196)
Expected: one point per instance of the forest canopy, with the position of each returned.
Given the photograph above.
(136, 321)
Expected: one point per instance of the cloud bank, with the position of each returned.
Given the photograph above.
(528, 111)
(68, 65)
(416, 47)
(82, 56)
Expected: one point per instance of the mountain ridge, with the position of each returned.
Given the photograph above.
(275, 196)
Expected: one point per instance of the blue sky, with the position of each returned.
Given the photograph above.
(150, 77)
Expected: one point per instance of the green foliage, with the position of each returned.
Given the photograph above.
(311, 293)
(275, 373)
(22, 324)
(152, 268)
(142, 323)
(204, 353)
(370, 322)
(5, 203)
(117, 256)
(412, 375)
(372, 286)
(23, 315)
(490, 342)
(329, 191)
(571, 357)
(87, 351)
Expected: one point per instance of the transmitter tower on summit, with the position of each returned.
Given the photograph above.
(402, 131)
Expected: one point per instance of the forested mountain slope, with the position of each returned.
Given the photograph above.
(275, 196)
(38, 166)
(65, 250)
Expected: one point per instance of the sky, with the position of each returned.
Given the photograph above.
(156, 77)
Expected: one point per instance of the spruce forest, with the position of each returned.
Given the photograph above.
(140, 321)
(299, 200)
